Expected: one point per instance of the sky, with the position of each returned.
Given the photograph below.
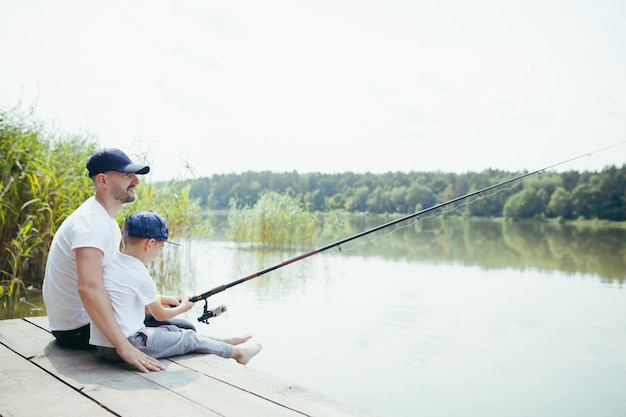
(201, 87)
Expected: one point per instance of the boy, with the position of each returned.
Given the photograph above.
(132, 289)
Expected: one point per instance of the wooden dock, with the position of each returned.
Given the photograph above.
(39, 378)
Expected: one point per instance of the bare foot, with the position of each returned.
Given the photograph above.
(236, 340)
(245, 352)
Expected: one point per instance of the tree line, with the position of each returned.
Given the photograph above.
(569, 195)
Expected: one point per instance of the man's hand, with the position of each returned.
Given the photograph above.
(138, 359)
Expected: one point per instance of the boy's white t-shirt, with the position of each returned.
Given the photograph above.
(131, 288)
(89, 226)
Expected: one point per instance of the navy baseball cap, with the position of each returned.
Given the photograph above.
(147, 224)
(112, 159)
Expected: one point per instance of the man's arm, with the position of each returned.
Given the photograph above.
(98, 305)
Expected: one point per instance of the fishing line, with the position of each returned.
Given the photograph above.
(480, 196)
(418, 218)
(479, 193)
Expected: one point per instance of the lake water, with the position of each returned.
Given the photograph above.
(442, 318)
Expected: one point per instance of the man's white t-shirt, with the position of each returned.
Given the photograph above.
(89, 226)
(131, 288)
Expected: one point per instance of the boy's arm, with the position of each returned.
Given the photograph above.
(170, 301)
(161, 313)
(98, 305)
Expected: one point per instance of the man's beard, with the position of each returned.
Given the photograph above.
(122, 195)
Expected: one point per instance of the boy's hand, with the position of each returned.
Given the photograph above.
(170, 301)
(186, 305)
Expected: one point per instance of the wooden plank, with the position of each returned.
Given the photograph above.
(127, 393)
(122, 391)
(27, 390)
(41, 321)
(308, 402)
(191, 385)
(24, 338)
(112, 384)
(188, 391)
(223, 398)
(263, 385)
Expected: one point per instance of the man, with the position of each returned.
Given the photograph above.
(89, 238)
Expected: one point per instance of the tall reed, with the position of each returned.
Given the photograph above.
(42, 181)
(282, 220)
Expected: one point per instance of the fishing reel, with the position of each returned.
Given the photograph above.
(208, 313)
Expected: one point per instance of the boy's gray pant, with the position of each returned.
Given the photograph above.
(168, 340)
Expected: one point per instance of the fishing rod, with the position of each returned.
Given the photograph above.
(208, 313)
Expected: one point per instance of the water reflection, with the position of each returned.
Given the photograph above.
(483, 243)
(492, 244)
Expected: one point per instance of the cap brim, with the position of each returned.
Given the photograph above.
(135, 169)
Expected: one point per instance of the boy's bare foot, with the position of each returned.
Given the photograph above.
(245, 352)
(236, 340)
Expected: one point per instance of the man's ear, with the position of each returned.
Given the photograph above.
(149, 243)
(100, 179)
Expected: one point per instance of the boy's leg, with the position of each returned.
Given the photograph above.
(246, 351)
(165, 341)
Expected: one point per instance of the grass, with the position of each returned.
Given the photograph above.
(282, 220)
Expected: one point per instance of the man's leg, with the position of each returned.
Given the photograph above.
(74, 339)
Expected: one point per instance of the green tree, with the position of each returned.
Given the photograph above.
(585, 197)
(420, 196)
(526, 204)
(357, 199)
(397, 198)
(590, 194)
(560, 204)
